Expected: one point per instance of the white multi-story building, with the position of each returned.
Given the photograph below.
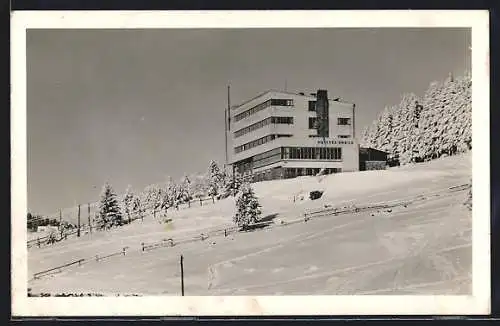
(283, 135)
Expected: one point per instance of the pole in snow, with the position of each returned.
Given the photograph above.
(182, 275)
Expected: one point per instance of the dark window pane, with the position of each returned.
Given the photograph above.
(312, 106)
(344, 121)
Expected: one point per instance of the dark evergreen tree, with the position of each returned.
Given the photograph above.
(109, 209)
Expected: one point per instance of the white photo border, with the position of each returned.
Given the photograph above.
(477, 303)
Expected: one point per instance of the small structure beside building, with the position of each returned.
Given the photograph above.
(372, 159)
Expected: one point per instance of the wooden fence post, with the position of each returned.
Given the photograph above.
(124, 249)
(213, 199)
(142, 244)
(78, 232)
(225, 233)
(90, 223)
(60, 222)
(182, 275)
(201, 203)
(38, 241)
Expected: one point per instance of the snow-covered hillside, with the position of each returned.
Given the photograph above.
(421, 129)
(426, 244)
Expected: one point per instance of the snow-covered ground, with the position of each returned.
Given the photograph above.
(424, 247)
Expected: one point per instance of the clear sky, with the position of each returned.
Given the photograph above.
(133, 106)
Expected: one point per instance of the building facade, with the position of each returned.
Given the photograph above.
(283, 135)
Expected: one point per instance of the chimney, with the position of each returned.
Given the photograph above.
(323, 113)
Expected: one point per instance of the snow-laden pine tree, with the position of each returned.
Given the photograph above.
(404, 135)
(214, 179)
(423, 129)
(379, 135)
(109, 209)
(185, 190)
(170, 194)
(247, 207)
(153, 198)
(232, 184)
(447, 118)
(138, 209)
(128, 202)
(199, 188)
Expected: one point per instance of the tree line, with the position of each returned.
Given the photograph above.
(424, 128)
(216, 183)
(157, 199)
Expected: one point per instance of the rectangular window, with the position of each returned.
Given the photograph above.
(257, 142)
(262, 106)
(312, 106)
(311, 153)
(263, 123)
(281, 102)
(313, 123)
(344, 136)
(344, 121)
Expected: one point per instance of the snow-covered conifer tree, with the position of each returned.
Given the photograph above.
(138, 209)
(153, 198)
(247, 207)
(199, 186)
(185, 189)
(109, 209)
(128, 201)
(424, 129)
(404, 136)
(214, 179)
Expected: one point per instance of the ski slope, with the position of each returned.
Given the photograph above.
(423, 247)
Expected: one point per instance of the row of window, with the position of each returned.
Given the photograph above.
(313, 122)
(272, 152)
(277, 154)
(279, 173)
(262, 123)
(258, 142)
(267, 161)
(262, 106)
(267, 158)
(339, 136)
(312, 153)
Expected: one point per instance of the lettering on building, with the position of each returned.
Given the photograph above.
(335, 142)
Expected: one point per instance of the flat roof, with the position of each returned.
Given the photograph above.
(233, 107)
(373, 149)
